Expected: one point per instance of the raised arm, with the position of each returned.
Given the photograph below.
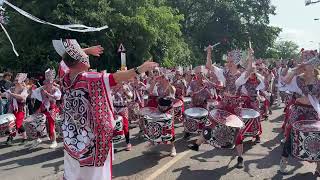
(249, 63)
(126, 75)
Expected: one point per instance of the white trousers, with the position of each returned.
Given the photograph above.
(73, 171)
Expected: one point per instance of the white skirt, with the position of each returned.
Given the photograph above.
(73, 171)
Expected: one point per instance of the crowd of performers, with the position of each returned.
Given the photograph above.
(220, 105)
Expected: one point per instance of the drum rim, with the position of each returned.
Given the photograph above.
(230, 114)
(205, 110)
(249, 110)
(294, 125)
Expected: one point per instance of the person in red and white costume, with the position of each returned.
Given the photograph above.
(88, 111)
(17, 97)
(48, 94)
(122, 95)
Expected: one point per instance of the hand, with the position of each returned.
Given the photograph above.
(95, 50)
(250, 52)
(147, 66)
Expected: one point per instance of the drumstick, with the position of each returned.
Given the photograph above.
(215, 45)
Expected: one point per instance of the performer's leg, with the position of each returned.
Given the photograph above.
(19, 125)
(173, 148)
(125, 123)
(285, 155)
(52, 131)
(239, 148)
(195, 146)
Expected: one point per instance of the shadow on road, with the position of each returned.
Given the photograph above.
(54, 154)
(187, 174)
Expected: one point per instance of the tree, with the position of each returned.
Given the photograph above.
(147, 28)
(210, 21)
(284, 50)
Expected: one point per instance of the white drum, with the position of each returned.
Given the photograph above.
(194, 120)
(36, 125)
(118, 133)
(187, 102)
(157, 126)
(7, 124)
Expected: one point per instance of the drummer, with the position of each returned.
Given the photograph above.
(163, 92)
(138, 88)
(48, 94)
(17, 96)
(180, 84)
(305, 81)
(5, 84)
(122, 95)
(228, 77)
(251, 86)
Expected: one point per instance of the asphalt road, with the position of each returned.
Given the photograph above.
(261, 160)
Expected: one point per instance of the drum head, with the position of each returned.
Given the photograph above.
(246, 113)
(196, 112)
(6, 118)
(154, 113)
(307, 126)
(145, 97)
(226, 118)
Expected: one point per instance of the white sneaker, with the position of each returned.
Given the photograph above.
(36, 143)
(53, 145)
(283, 166)
(173, 152)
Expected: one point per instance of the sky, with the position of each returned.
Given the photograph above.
(297, 22)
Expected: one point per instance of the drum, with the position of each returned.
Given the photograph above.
(251, 118)
(7, 124)
(58, 126)
(194, 120)
(306, 140)
(134, 116)
(187, 102)
(118, 133)
(36, 125)
(222, 129)
(157, 126)
(145, 99)
(177, 108)
(3, 106)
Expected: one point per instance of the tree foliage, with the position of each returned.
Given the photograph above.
(284, 50)
(172, 32)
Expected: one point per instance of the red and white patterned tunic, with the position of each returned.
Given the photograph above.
(87, 117)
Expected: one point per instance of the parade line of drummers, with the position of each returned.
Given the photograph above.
(221, 106)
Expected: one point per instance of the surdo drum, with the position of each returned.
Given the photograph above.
(187, 102)
(118, 133)
(7, 124)
(157, 126)
(36, 125)
(306, 140)
(251, 118)
(58, 126)
(222, 128)
(194, 120)
(177, 107)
